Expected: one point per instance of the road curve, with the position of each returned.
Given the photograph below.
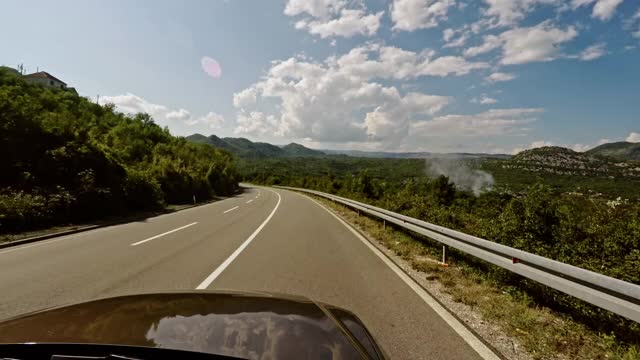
(264, 239)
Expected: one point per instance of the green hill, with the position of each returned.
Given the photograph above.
(248, 149)
(618, 150)
(65, 160)
(297, 150)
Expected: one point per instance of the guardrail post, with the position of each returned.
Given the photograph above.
(444, 256)
(384, 224)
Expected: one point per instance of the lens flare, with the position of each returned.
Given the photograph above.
(211, 67)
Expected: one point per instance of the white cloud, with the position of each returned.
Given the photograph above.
(244, 98)
(633, 137)
(350, 23)
(162, 115)
(315, 8)
(133, 104)
(447, 34)
(447, 65)
(526, 44)
(331, 18)
(536, 43)
(255, 123)
(494, 122)
(182, 115)
(339, 100)
(410, 15)
(603, 9)
(210, 120)
(500, 76)
(490, 42)
(484, 100)
(509, 12)
(460, 41)
(592, 52)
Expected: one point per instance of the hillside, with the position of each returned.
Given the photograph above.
(561, 161)
(62, 155)
(618, 150)
(246, 148)
(567, 171)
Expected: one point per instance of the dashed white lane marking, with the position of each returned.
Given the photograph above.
(163, 234)
(233, 208)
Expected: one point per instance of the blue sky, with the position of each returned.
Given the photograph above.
(396, 75)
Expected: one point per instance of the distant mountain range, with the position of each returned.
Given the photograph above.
(246, 148)
(242, 147)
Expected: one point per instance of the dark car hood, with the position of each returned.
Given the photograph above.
(245, 325)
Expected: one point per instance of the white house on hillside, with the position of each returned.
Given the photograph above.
(45, 79)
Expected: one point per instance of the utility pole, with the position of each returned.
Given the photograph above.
(98, 99)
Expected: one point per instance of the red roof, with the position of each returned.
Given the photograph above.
(45, 75)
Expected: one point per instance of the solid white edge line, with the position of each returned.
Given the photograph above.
(464, 333)
(163, 234)
(248, 202)
(233, 208)
(211, 278)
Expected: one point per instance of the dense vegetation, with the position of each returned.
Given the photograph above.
(591, 232)
(66, 159)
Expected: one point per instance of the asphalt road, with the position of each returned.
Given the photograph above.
(264, 239)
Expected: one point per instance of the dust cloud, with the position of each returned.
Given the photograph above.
(459, 173)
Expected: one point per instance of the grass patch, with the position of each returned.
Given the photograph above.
(544, 333)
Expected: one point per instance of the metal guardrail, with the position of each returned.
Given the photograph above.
(615, 295)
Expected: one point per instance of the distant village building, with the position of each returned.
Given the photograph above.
(45, 79)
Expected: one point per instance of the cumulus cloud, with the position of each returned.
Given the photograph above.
(448, 34)
(244, 98)
(333, 18)
(133, 104)
(210, 120)
(411, 15)
(603, 9)
(341, 99)
(536, 43)
(490, 42)
(633, 137)
(484, 100)
(182, 115)
(494, 122)
(592, 52)
(500, 76)
(526, 44)
(316, 8)
(164, 116)
(509, 12)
